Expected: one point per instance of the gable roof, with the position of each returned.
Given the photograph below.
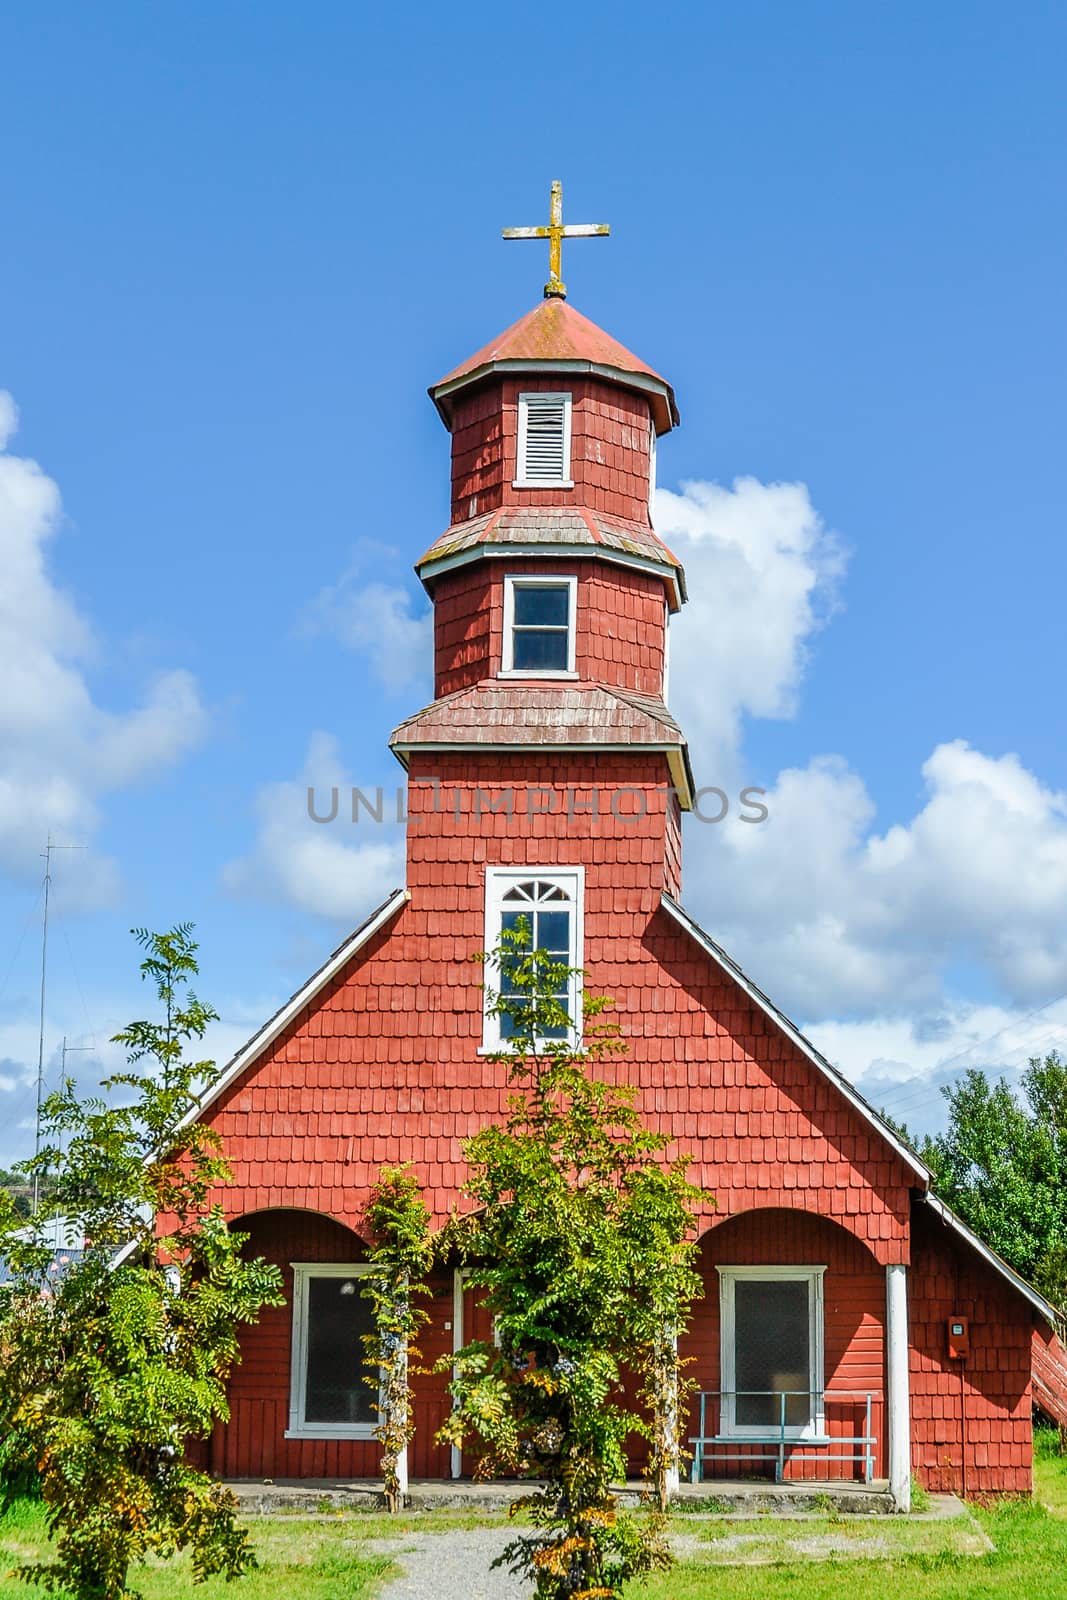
(805, 1046)
(266, 1035)
(856, 1100)
(555, 337)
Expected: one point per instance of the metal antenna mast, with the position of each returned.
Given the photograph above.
(47, 853)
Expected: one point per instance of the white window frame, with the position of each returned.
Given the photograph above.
(498, 880)
(538, 580)
(521, 481)
(299, 1427)
(815, 1427)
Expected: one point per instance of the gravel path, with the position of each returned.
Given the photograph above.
(450, 1566)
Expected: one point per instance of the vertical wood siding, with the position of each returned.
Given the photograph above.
(970, 1422)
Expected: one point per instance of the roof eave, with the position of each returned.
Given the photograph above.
(677, 755)
(673, 576)
(958, 1226)
(661, 395)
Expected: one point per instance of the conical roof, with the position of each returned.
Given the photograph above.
(555, 337)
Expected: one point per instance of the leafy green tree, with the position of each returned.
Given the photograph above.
(401, 1256)
(1002, 1165)
(115, 1358)
(21, 1193)
(582, 1244)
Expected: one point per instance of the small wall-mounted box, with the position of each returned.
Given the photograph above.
(959, 1338)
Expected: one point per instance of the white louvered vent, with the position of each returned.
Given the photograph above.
(544, 438)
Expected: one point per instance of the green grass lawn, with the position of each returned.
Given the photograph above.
(810, 1558)
(1028, 1560)
(303, 1559)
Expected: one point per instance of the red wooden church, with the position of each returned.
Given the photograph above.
(852, 1327)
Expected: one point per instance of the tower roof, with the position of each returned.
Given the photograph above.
(569, 530)
(555, 337)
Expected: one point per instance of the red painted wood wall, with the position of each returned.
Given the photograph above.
(609, 448)
(971, 1426)
(385, 1067)
(621, 623)
(854, 1312)
(254, 1444)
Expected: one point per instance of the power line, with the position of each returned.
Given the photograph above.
(913, 1096)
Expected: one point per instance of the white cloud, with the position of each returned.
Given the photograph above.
(901, 1063)
(59, 751)
(842, 919)
(830, 915)
(762, 573)
(314, 865)
(379, 620)
(9, 417)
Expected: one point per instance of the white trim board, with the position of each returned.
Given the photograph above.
(498, 879)
(815, 1427)
(665, 413)
(676, 754)
(547, 550)
(539, 580)
(543, 397)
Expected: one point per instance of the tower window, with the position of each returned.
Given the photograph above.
(547, 902)
(539, 626)
(544, 446)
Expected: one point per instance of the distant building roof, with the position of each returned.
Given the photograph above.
(64, 1237)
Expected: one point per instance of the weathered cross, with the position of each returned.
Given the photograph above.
(555, 233)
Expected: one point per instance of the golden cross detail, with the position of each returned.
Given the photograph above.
(555, 233)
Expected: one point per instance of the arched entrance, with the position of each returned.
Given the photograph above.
(787, 1351)
(301, 1404)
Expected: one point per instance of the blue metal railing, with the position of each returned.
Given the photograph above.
(785, 1439)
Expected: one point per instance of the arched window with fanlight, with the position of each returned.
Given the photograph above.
(547, 902)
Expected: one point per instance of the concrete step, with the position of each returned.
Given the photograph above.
(748, 1497)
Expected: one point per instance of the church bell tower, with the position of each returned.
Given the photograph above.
(548, 763)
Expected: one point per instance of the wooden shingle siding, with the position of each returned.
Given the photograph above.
(610, 461)
(385, 1067)
(621, 624)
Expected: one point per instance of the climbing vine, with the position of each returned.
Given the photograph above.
(582, 1244)
(401, 1255)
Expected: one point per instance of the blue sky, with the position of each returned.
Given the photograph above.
(240, 242)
